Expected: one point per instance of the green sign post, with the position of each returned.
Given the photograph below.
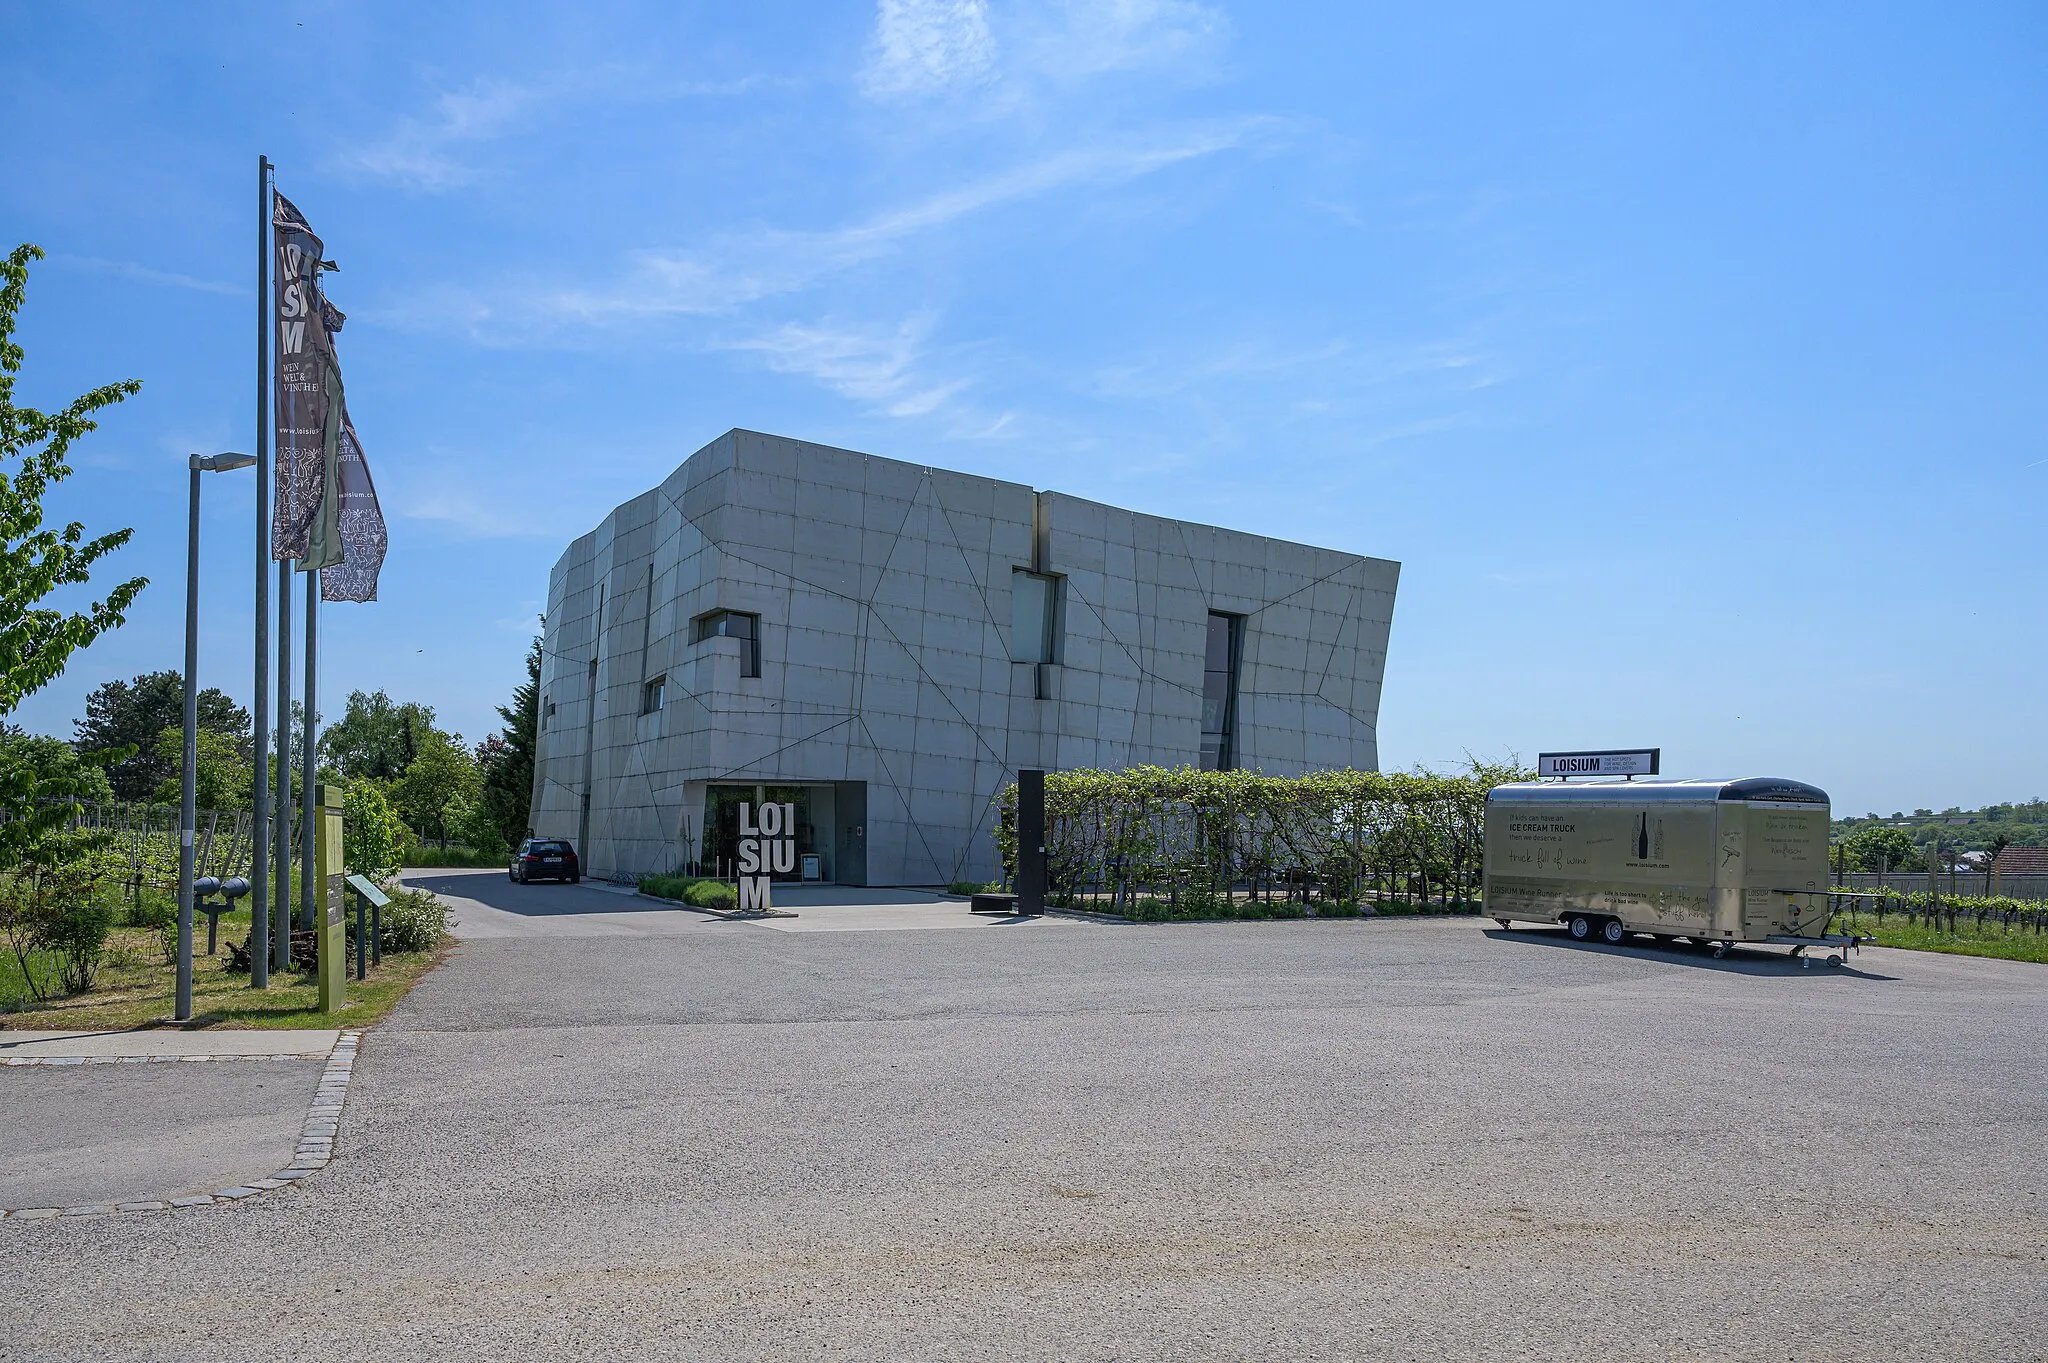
(330, 927)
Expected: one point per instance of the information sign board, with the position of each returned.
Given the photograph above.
(1609, 762)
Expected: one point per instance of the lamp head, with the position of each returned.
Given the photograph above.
(221, 463)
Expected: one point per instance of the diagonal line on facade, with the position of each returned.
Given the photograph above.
(902, 797)
(1114, 638)
(967, 559)
(793, 743)
(1351, 590)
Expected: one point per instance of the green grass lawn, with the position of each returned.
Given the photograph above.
(2016, 944)
(136, 988)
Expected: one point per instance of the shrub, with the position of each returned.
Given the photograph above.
(373, 837)
(975, 887)
(421, 855)
(414, 920)
(696, 891)
(77, 936)
(712, 894)
(52, 915)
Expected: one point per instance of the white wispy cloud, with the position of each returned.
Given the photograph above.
(921, 47)
(422, 152)
(1336, 366)
(730, 271)
(1093, 37)
(924, 48)
(128, 269)
(877, 368)
(438, 150)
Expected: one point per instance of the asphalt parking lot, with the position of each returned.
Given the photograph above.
(1401, 1139)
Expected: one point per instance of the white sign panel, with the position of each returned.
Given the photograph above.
(1615, 762)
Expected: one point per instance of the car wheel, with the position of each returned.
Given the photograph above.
(1581, 927)
(522, 876)
(576, 879)
(1613, 933)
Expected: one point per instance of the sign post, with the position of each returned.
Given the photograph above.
(1629, 762)
(331, 914)
(368, 897)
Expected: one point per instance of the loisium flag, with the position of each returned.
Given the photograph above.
(327, 513)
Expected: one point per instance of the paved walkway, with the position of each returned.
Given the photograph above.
(103, 1119)
(1406, 1139)
(165, 1043)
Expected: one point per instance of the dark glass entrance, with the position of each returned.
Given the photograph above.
(722, 824)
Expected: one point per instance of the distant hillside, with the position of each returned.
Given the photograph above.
(2026, 825)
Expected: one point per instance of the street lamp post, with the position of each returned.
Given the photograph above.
(188, 813)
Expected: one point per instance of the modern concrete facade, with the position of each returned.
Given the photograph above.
(915, 636)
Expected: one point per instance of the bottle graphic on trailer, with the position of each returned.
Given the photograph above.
(1643, 838)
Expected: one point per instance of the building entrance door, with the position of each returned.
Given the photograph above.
(722, 822)
(851, 845)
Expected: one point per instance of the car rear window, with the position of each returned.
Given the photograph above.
(550, 847)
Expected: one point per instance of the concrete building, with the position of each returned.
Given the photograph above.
(883, 645)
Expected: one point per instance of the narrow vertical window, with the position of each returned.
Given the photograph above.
(647, 620)
(1034, 617)
(1219, 690)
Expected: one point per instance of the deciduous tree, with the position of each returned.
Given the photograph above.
(134, 714)
(37, 561)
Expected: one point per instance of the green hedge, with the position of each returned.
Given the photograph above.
(1117, 838)
(696, 891)
(429, 856)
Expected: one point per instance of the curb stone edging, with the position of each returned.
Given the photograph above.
(315, 1148)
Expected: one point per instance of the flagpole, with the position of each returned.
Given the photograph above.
(259, 865)
(281, 909)
(309, 814)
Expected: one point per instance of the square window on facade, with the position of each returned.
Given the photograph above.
(652, 694)
(732, 625)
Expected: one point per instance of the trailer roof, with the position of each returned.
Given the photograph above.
(1606, 789)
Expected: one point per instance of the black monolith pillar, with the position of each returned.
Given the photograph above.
(1030, 841)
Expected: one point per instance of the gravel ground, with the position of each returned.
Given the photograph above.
(1387, 1139)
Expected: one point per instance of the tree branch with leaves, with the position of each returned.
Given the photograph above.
(37, 560)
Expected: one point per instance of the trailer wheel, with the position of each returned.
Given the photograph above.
(1581, 927)
(1834, 962)
(1613, 932)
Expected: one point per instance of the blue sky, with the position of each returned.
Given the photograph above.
(1687, 356)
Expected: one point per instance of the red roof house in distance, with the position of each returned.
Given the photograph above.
(2022, 861)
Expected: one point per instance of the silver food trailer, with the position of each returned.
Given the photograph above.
(1714, 862)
